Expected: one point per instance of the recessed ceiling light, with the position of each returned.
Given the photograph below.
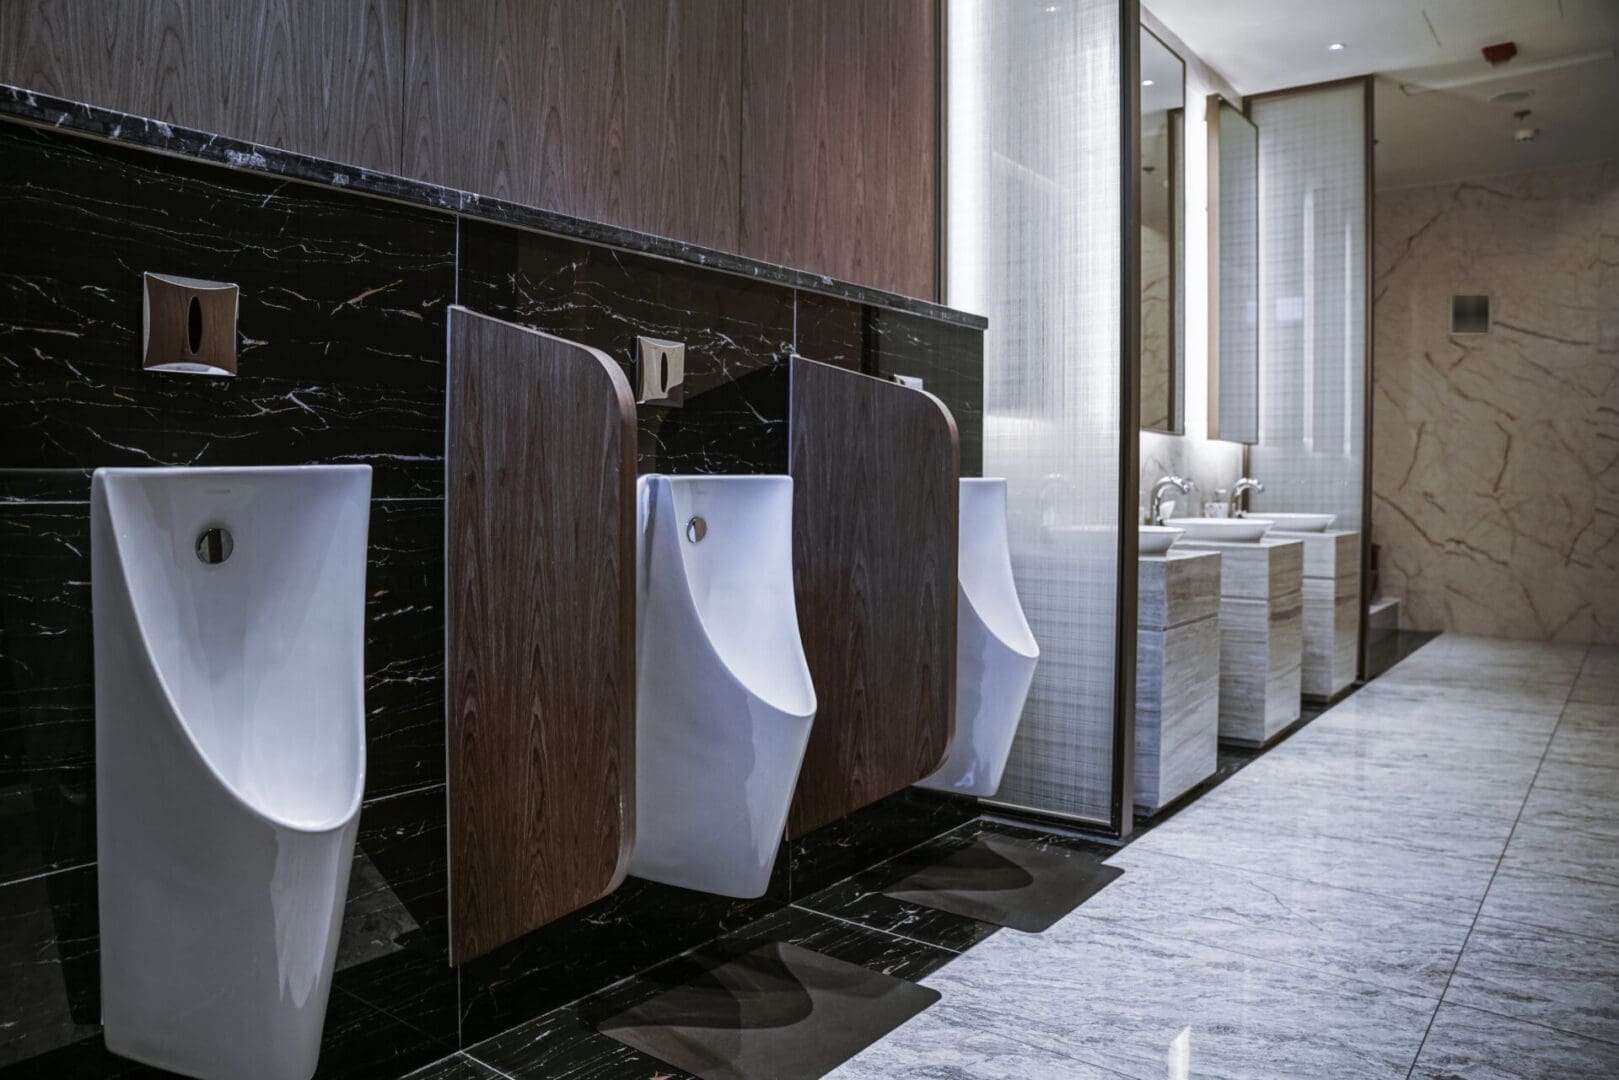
(1146, 82)
(1336, 46)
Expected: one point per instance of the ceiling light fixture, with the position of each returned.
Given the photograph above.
(1336, 46)
(1146, 82)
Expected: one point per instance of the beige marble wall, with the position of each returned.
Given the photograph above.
(1496, 456)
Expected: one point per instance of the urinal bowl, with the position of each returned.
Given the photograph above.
(230, 758)
(995, 649)
(723, 698)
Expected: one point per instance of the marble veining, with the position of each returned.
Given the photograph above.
(1496, 476)
(39, 109)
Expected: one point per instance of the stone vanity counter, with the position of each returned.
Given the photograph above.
(1177, 674)
(1331, 610)
(1261, 635)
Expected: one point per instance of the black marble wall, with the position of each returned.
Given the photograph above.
(341, 342)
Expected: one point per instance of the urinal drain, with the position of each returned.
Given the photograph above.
(696, 529)
(214, 545)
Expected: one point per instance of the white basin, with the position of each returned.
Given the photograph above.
(1157, 539)
(995, 649)
(1301, 522)
(723, 702)
(1229, 530)
(230, 757)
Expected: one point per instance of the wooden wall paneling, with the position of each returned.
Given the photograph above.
(839, 154)
(540, 596)
(319, 77)
(875, 504)
(625, 112)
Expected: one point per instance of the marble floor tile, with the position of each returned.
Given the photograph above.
(1568, 905)
(1552, 850)
(1587, 735)
(1120, 999)
(1579, 800)
(1480, 1045)
(1507, 694)
(1569, 983)
(1598, 682)
(1341, 932)
(929, 1048)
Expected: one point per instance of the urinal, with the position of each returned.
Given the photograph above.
(230, 757)
(723, 701)
(995, 649)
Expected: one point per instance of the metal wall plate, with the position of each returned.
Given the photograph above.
(188, 325)
(660, 372)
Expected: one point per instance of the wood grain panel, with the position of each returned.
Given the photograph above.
(623, 111)
(320, 77)
(540, 590)
(839, 151)
(875, 503)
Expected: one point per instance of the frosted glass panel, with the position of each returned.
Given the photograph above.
(1312, 295)
(1034, 243)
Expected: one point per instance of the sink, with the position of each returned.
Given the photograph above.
(723, 702)
(1157, 539)
(1226, 530)
(1300, 522)
(229, 627)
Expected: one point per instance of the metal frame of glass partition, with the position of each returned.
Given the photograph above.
(1370, 142)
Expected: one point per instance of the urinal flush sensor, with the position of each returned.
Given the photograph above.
(188, 325)
(660, 372)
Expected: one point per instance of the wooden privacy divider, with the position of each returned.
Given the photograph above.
(875, 504)
(540, 638)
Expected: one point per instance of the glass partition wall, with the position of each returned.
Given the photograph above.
(1042, 177)
(1314, 236)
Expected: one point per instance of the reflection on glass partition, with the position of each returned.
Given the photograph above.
(1163, 112)
(1234, 285)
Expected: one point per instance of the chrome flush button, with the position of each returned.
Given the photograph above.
(214, 545)
(696, 529)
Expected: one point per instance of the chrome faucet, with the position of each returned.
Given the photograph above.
(1246, 484)
(1163, 485)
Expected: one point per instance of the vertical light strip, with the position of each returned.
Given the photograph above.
(1034, 153)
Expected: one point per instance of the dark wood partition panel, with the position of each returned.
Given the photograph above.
(875, 503)
(540, 596)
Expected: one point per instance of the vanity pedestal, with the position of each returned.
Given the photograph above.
(1331, 611)
(1261, 635)
(1177, 674)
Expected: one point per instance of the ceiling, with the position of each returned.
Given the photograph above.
(1442, 134)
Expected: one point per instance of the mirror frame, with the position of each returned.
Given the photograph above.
(1175, 122)
(1212, 119)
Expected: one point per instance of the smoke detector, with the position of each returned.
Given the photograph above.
(1525, 133)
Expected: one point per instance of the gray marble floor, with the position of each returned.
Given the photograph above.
(1424, 882)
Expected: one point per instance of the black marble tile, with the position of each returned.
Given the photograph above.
(394, 950)
(948, 358)
(50, 978)
(404, 646)
(35, 108)
(738, 336)
(869, 835)
(455, 1067)
(340, 332)
(641, 924)
(47, 719)
(566, 1043)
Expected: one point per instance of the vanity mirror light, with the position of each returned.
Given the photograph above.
(1233, 273)
(1163, 123)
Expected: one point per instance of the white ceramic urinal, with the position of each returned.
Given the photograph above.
(723, 701)
(230, 757)
(995, 650)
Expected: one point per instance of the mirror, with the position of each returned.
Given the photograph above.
(1163, 121)
(1233, 273)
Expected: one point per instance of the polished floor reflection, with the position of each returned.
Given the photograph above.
(1423, 882)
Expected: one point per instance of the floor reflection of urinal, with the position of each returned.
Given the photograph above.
(724, 701)
(995, 650)
(230, 757)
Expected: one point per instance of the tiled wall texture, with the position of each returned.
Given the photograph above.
(1496, 470)
(341, 343)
